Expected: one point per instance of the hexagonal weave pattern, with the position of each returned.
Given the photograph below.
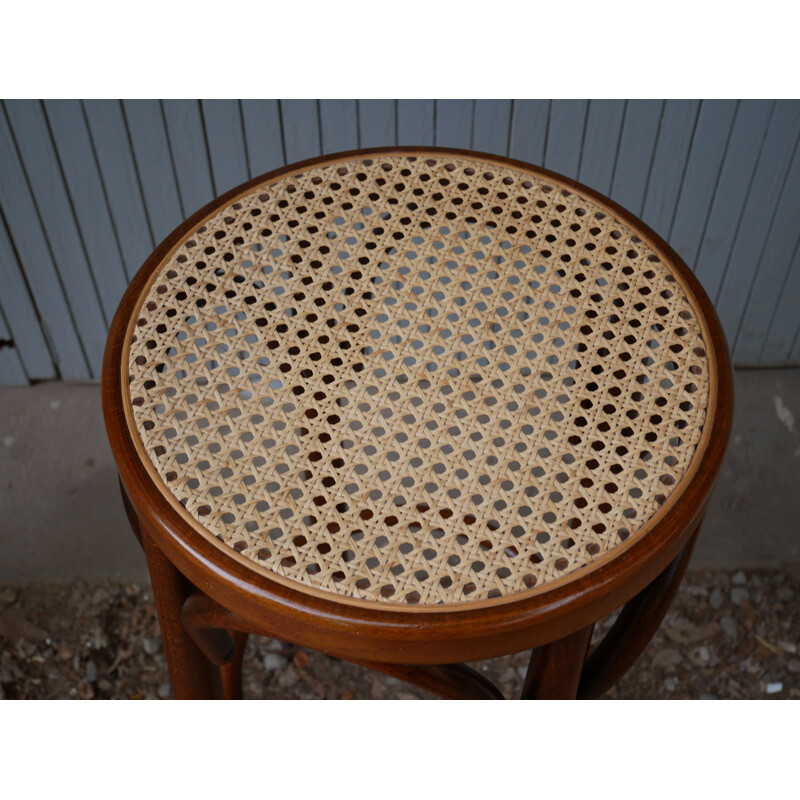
(418, 379)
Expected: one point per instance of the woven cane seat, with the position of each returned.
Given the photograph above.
(418, 379)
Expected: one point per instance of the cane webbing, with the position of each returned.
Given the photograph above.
(418, 379)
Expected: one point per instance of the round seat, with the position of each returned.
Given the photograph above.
(411, 381)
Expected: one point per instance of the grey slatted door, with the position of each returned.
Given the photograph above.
(88, 188)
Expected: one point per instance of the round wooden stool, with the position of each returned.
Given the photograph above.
(414, 407)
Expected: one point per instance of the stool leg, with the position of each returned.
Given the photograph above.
(231, 673)
(635, 626)
(554, 671)
(189, 670)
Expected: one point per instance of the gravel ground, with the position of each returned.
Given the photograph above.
(729, 635)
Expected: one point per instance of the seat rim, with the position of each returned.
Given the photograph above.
(569, 601)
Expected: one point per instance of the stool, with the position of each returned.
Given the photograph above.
(413, 407)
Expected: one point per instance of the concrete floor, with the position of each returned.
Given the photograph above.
(61, 516)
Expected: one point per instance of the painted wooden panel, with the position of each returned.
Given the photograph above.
(36, 261)
(738, 170)
(766, 327)
(339, 122)
(301, 136)
(46, 180)
(752, 233)
(529, 121)
(601, 143)
(185, 128)
(377, 123)
(635, 156)
(151, 153)
(112, 147)
(88, 201)
(87, 189)
(669, 163)
(263, 135)
(22, 322)
(454, 123)
(565, 136)
(492, 126)
(225, 135)
(416, 122)
(12, 372)
(702, 175)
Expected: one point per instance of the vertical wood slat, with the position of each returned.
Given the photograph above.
(771, 320)
(601, 141)
(12, 372)
(491, 126)
(714, 124)
(225, 135)
(747, 137)
(750, 238)
(377, 123)
(636, 148)
(57, 227)
(301, 135)
(415, 122)
(263, 135)
(151, 154)
(20, 315)
(529, 123)
(669, 163)
(565, 136)
(186, 133)
(454, 123)
(112, 149)
(36, 262)
(87, 197)
(338, 121)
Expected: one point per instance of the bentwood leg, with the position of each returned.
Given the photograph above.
(554, 671)
(189, 670)
(231, 673)
(632, 631)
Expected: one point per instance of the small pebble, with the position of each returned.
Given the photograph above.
(717, 598)
(91, 672)
(729, 627)
(274, 662)
(739, 579)
(164, 691)
(706, 696)
(669, 657)
(700, 656)
(288, 677)
(793, 666)
(509, 675)
(8, 441)
(152, 645)
(789, 647)
(7, 596)
(785, 594)
(739, 594)
(671, 684)
(774, 688)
